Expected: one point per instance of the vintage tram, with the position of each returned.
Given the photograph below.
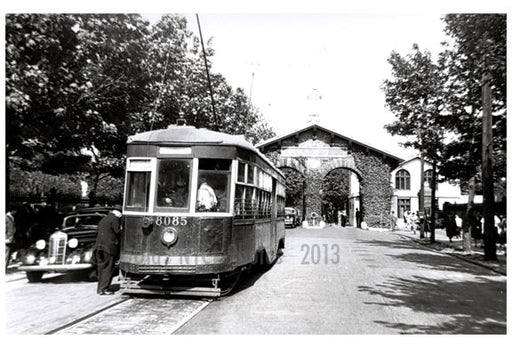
(199, 208)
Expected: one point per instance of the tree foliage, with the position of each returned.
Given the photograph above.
(479, 44)
(77, 85)
(294, 187)
(335, 192)
(415, 96)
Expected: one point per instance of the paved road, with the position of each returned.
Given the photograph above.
(350, 281)
(335, 280)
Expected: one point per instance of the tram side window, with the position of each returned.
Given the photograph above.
(173, 183)
(137, 193)
(213, 185)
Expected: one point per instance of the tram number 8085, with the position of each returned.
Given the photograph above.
(171, 221)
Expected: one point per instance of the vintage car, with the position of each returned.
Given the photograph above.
(291, 218)
(68, 249)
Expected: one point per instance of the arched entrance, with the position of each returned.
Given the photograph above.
(315, 151)
(340, 196)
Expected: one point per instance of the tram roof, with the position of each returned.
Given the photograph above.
(189, 135)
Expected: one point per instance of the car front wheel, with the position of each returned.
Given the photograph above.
(34, 277)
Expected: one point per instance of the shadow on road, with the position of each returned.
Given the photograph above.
(472, 315)
(453, 296)
(71, 277)
(425, 258)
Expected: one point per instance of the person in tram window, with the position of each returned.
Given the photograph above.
(206, 198)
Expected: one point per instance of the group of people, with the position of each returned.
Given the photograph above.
(412, 221)
(26, 224)
(453, 225)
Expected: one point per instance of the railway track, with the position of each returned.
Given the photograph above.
(135, 316)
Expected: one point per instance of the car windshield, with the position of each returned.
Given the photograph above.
(289, 210)
(82, 220)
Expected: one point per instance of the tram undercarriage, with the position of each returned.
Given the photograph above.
(211, 285)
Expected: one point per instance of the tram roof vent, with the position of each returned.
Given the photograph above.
(181, 122)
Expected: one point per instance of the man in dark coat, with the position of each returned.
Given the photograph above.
(107, 248)
(358, 218)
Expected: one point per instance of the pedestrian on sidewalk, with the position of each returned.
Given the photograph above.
(10, 231)
(107, 249)
(392, 220)
(451, 226)
(358, 218)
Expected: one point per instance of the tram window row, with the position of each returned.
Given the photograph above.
(253, 189)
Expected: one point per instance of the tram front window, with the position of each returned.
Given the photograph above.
(213, 185)
(173, 184)
(137, 191)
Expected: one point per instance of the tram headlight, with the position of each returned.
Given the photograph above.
(73, 243)
(169, 236)
(40, 244)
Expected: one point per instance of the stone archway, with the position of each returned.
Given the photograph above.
(314, 151)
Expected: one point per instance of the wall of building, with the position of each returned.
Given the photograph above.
(445, 191)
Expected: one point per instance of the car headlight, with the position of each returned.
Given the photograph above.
(40, 244)
(30, 259)
(73, 243)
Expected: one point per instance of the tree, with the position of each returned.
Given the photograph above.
(294, 187)
(77, 85)
(479, 45)
(72, 82)
(416, 96)
(335, 188)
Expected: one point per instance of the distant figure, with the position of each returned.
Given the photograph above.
(475, 220)
(451, 227)
(458, 221)
(10, 231)
(343, 218)
(392, 219)
(502, 236)
(206, 198)
(358, 218)
(107, 249)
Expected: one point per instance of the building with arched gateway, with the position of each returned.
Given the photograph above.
(380, 183)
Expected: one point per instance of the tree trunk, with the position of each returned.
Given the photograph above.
(422, 196)
(466, 226)
(490, 235)
(433, 203)
(93, 192)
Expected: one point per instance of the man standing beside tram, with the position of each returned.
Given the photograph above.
(107, 249)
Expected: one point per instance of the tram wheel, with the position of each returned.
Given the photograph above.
(229, 283)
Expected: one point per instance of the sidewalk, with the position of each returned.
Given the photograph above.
(442, 244)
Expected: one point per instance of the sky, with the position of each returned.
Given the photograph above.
(331, 65)
(297, 58)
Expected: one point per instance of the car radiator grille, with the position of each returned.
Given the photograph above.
(57, 248)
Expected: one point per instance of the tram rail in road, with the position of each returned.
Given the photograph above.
(136, 316)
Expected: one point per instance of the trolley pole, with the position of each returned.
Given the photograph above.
(433, 205)
(422, 196)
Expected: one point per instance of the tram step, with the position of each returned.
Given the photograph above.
(150, 289)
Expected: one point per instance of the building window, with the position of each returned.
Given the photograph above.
(404, 204)
(427, 178)
(403, 180)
